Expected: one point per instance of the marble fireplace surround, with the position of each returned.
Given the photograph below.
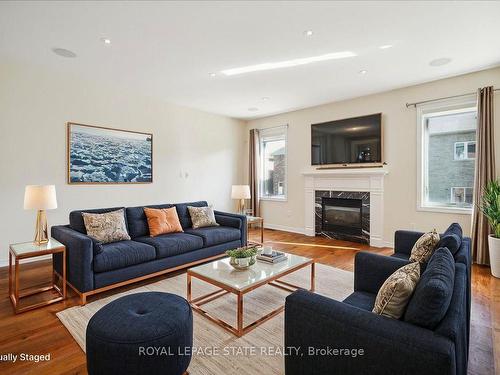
(354, 180)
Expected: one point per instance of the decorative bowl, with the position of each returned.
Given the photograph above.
(242, 264)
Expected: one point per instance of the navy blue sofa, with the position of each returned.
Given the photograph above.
(316, 324)
(93, 267)
(404, 241)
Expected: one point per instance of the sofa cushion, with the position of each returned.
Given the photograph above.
(183, 212)
(76, 218)
(162, 221)
(361, 300)
(216, 235)
(106, 227)
(395, 292)
(122, 254)
(452, 238)
(424, 247)
(171, 244)
(137, 221)
(433, 293)
(202, 217)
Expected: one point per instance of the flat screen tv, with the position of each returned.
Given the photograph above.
(351, 141)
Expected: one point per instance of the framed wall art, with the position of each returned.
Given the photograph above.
(100, 155)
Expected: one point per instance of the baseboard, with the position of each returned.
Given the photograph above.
(5, 262)
(284, 228)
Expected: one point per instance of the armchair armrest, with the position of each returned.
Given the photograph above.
(404, 241)
(370, 343)
(371, 270)
(79, 257)
(233, 220)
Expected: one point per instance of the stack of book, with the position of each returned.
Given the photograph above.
(274, 257)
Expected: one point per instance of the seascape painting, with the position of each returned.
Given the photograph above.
(109, 156)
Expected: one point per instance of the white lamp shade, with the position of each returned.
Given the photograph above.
(240, 192)
(40, 197)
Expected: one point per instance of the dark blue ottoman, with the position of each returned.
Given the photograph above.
(144, 333)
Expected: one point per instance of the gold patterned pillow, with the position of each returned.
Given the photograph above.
(106, 227)
(424, 247)
(202, 216)
(396, 291)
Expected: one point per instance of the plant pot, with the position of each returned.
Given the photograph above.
(494, 247)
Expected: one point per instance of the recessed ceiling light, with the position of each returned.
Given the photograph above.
(106, 40)
(287, 63)
(385, 46)
(212, 74)
(253, 109)
(308, 33)
(363, 72)
(63, 52)
(440, 61)
(265, 98)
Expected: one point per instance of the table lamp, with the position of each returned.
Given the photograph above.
(40, 198)
(240, 192)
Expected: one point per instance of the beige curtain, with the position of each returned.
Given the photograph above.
(485, 172)
(253, 169)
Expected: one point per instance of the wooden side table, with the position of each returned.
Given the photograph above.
(255, 220)
(26, 250)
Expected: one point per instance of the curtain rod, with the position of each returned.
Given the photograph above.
(274, 127)
(408, 105)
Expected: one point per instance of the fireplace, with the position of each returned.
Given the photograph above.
(341, 215)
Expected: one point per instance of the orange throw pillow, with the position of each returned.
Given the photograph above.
(162, 221)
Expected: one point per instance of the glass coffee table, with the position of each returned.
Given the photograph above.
(222, 275)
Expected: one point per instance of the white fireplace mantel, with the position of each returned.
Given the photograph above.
(349, 179)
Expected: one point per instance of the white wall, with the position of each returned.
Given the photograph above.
(400, 151)
(35, 105)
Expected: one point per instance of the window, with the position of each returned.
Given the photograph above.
(273, 159)
(465, 150)
(447, 149)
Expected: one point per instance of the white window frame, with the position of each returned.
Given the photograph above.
(269, 133)
(466, 150)
(424, 111)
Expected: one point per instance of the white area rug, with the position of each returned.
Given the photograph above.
(216, 350)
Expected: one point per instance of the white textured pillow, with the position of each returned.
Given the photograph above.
(106, 227)
(202, 216)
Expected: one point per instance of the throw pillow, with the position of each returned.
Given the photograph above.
(432, 296)
(452, 238)
(396, 291)
(424, 247)
(106, 227)
(162, 221)
(202, 216)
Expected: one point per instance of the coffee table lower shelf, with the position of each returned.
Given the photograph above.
(240, 329)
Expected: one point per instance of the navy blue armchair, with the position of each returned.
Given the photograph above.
(333, 337)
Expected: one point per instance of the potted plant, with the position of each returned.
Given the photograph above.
(242, 257)
(491, 209)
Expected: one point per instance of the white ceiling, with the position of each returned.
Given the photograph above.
(168, 49)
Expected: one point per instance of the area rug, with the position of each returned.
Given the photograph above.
(215, 350)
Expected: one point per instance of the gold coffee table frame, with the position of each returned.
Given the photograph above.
(240, 330)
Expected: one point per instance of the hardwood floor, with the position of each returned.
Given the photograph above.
(40, 332)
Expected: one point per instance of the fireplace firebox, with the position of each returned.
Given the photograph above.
(342, 216)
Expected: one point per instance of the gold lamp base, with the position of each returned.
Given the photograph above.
(41, 231)
(241, 206)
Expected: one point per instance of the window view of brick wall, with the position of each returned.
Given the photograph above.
(451, 158)
(274, 167)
